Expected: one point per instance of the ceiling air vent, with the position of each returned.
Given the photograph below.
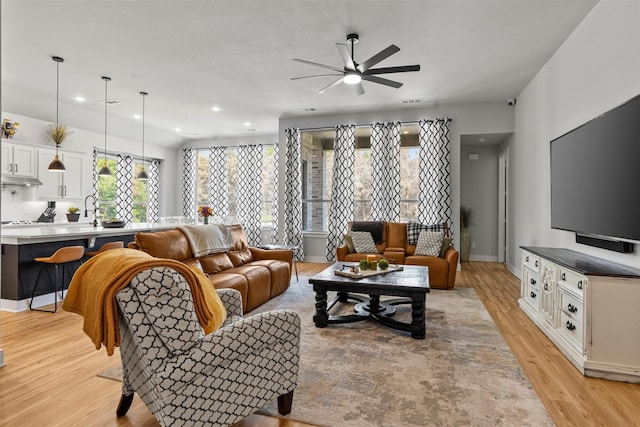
(411, 101)
(110, 102)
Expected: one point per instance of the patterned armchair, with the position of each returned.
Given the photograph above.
(187, 378)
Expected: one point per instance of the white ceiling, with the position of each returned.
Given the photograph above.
(193, 55)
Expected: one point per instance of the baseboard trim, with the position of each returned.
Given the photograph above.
(23, 305)
(483, 258)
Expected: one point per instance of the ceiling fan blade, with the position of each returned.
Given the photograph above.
(382, 55)
(329, 67)
(329, 86)
(359, 89)
(381, 81)
(317, 75)
(346, 57)
(387, 70)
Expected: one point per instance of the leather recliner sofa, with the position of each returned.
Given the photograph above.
(258, 274)
(395, 247)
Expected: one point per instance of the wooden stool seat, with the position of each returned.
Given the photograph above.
(106, 247)
(61, 257)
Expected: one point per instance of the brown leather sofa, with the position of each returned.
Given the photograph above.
(258, 274)
(394, 247)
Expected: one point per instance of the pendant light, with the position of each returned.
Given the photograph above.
(104, 170)
(56, 165)
(142, 176)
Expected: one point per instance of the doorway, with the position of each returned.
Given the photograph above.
(503, 206)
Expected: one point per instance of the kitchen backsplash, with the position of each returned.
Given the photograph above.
(19, 203)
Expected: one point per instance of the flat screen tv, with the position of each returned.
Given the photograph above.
(595, 176)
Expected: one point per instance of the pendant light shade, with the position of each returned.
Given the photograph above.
(104, 170)
(142, 176)
(56, 165)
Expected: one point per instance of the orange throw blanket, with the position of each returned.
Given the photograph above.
(92, 293)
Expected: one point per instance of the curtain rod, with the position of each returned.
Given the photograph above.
(413, 122)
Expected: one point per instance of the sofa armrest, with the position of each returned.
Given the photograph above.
(342, 252)
(452, 259)
(232, 301)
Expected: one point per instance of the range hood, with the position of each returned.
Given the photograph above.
(19, 180)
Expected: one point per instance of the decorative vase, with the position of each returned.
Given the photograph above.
(73, 217)
(206, 220)
(465, 244)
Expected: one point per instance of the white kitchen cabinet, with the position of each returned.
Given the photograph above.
(588, 307)
(60, 185)
(18, 160)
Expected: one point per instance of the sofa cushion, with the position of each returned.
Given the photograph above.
(414, 229)
(363, 242)
(241, 257)
(216, 263)
(429, 243)
(396, 235)
(172, 244)
(376, 228)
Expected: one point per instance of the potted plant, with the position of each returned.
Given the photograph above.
(465, 237)
(205, 212)
(73, 214)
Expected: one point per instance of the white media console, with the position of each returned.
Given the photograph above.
(588, 307)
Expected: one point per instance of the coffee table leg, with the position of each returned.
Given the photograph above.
(321, 317)
(418, 329)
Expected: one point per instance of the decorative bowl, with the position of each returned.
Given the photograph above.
(113, 223)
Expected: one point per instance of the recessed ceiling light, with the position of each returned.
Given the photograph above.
(216, 109)
(481, 140)
(137, 116)
(178, 130)
(79, 98)
(247, 123)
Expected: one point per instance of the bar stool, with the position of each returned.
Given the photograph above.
(106, 247)
(62, 257)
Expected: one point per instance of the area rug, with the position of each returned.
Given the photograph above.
(365, 374)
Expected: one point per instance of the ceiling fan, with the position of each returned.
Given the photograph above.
(353, 73)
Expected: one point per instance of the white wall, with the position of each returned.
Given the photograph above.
(481, 118)
(596, 69)
(22, 204)
(479, 191)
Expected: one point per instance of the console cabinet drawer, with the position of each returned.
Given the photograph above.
(572, 307)
(572, 330)
(571, 280)
(532, 289)
(531, 261)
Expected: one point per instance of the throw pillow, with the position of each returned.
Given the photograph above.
(349, 242)
(446, 243)
(414, 229)
(429, 243)
(363, 242)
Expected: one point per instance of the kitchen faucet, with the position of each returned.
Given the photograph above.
(95, 210)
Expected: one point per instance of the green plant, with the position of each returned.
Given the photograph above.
(465, 216)
(73, 210)
(364, 264)
(383, 264)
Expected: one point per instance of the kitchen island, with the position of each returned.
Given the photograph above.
(21, 244)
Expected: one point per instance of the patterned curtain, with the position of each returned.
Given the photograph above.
(385, 172)
(293, 193)
(189, 175)
(276, 190)
(95, 173)
(218, 181)
(250, 191)
(124, 188)
(341, 207)
(434, 204)
(153, 191)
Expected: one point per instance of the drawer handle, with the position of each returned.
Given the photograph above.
(527, 259)
(532, 281)
(570, 326)
(536, 263)
(572, 308)
(563, 276)
(546, 287)
(580, 284)
(533, 294)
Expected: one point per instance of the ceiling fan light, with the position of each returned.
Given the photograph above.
(352, 78)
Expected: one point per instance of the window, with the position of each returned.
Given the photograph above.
(107, 191)
(269, 186)
(317, 176)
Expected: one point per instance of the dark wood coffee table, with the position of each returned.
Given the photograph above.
(412, 283)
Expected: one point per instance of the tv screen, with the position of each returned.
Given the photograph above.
(595, 176)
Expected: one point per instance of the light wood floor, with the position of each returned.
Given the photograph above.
(50, 373)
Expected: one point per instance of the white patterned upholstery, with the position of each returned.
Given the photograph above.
(187, 378)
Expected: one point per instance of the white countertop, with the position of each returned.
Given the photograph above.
(38, 233)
